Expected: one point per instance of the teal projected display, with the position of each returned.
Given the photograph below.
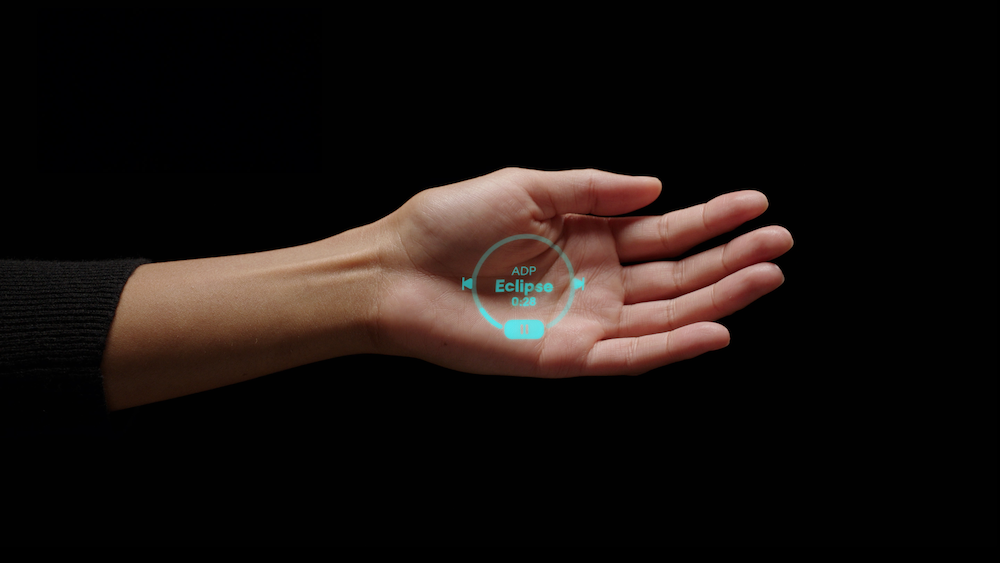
(524, 294)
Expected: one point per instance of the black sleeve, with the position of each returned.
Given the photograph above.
(54, 322)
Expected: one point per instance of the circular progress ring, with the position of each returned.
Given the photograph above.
(521, 329)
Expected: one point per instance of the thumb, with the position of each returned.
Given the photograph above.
(594, 192)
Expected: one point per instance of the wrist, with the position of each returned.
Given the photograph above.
(339, 279)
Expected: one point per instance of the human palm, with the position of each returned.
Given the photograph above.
(627, 319)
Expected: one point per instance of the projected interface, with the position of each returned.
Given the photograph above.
(527, 293)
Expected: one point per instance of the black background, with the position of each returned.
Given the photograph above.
(855, 405)
(147, 90)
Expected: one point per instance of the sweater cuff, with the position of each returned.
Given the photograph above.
(54, 323)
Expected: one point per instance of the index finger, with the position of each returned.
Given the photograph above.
(588, 191)
(641, 239)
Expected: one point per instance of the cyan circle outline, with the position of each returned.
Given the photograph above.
(475, 277)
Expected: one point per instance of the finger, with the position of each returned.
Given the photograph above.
(652, 281)
(654, 238)
(632, 356)
(587, 191)
(711, 303)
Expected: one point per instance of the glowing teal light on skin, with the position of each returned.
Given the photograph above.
(524, 330)
(475, 275)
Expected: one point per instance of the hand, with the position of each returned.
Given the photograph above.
(627, 320)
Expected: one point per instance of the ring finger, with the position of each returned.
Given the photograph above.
(711, 303)
(666, 280)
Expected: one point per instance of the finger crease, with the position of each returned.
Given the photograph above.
(725, 252)
(591, 193)
(664, 230)
(704, 223)
(631, 354)
(677, 276)
(626, 284)
(715, 304)
(624, 319)
(671, 314)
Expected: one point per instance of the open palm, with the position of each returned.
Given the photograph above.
(627, 319)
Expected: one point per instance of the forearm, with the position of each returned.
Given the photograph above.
(192, 325)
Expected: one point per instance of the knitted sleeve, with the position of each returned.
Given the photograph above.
(54, 322)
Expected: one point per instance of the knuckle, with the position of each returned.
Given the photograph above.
(510, 172)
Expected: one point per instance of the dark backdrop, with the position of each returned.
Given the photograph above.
(145, 90)
(855, 405)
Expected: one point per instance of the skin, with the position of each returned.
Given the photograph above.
(394, 287)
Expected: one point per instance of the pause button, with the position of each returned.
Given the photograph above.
(516, 329)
